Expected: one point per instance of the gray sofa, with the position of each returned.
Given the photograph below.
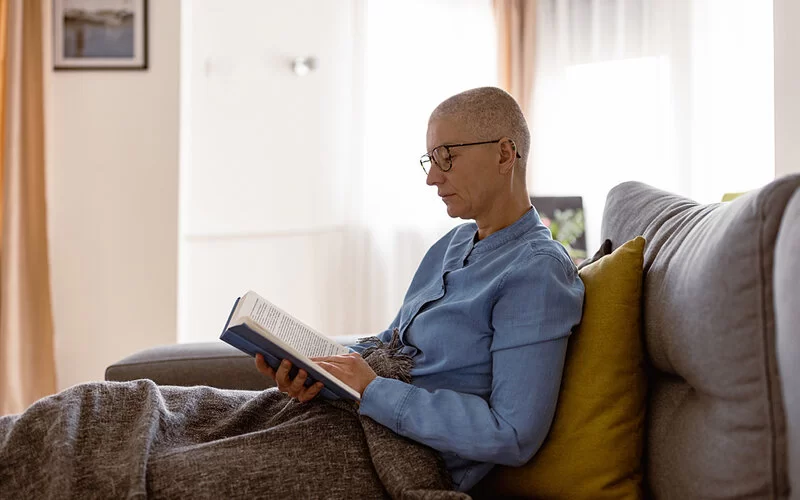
(215, 364)
(721, 324)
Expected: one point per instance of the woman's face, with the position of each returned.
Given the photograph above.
(469, 188)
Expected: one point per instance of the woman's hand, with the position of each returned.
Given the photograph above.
(293, 388)
(349, 368)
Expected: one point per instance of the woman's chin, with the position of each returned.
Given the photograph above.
(454, 212)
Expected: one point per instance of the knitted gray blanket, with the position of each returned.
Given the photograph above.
(137, 440)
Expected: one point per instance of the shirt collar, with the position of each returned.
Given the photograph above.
(529, 221)
(462, 246)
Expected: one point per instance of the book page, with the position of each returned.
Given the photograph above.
(287, 328)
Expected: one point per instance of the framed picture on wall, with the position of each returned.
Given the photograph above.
(564, 216)
(99, 34)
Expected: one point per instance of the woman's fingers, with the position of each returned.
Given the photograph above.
(310, 393)
(263, 367)
(296, 387)
(339, 358)
(282, 375)
(331, 368)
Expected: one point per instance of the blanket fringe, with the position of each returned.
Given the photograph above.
(388, 360)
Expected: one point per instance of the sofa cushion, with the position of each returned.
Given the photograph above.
(594, 447)
(715, 414)
(215, 364)
(787, 329)
(604, 250)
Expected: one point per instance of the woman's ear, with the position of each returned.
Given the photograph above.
(508, 155)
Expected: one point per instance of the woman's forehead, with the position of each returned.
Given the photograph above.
(446, 131)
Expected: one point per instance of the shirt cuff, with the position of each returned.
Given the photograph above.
(384, 400)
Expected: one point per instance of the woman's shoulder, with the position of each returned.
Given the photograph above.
(540, 252)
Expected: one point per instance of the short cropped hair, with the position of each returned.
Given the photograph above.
(489, 113)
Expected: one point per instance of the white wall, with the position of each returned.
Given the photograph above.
(266, 158)
(787, 86)
(308, 189)
(112, 184)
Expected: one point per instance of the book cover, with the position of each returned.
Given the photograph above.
(249, 337)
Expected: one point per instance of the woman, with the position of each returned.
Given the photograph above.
(488, 313)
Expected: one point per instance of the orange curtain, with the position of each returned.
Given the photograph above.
(27, 361)
(516, 48)
(3, 73)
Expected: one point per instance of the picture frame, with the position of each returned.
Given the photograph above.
(564, 216)
(100, 34)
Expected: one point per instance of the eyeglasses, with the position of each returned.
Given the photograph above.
(440, 155)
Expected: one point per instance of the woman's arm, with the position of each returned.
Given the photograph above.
(532, 318)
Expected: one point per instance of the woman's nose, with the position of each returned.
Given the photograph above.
(434, 176)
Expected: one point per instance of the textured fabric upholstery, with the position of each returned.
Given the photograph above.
(215, 364)
(787, 315)
(716, 421)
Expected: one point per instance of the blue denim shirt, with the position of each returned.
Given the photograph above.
(487, 325)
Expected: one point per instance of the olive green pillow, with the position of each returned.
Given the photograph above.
(595, 444)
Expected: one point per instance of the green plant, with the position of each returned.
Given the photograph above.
(567, 226)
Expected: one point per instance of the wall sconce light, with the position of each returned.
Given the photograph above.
(304, 65)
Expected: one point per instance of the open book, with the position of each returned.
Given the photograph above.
(256, 325)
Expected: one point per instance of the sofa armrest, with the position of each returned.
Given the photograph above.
(214, 364)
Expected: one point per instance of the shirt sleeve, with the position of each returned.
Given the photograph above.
(533, 315)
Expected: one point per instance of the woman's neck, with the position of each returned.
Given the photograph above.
(503, 216)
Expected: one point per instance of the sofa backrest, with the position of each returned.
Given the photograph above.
(787, 329)
(717, 422)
